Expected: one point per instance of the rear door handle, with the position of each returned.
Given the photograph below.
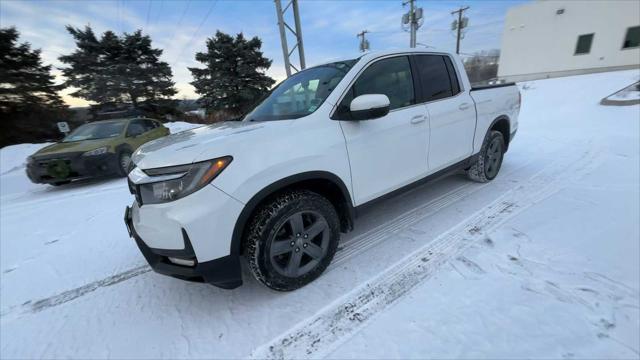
(464, 106)
(418, 119)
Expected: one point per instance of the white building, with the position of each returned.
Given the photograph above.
(559, 38)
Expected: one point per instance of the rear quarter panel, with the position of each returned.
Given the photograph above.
(492, 104)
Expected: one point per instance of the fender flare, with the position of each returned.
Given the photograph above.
(252, 204)
(507, 139)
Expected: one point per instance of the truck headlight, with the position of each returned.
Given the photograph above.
(98, 151)
(181, 180)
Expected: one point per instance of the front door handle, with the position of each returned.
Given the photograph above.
(464, 106)
(418, 119)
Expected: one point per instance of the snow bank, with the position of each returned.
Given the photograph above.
(14, 157)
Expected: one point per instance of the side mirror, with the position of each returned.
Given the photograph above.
(369, 106)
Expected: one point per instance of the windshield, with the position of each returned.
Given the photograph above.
(302, 93)
(99, 130)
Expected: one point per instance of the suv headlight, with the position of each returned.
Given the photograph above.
(180, 180)
(98, 151)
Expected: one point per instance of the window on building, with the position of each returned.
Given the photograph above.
(633, 38)
(584, 44)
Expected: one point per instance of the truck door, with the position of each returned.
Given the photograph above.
(452, 114)
(391, 151)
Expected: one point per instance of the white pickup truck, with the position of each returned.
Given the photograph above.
(278, 187)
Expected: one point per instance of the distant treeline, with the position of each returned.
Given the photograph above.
(482, 67)
(123, 76)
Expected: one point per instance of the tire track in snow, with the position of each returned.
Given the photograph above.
(351, 248)
(69, 295)
(373, 237)
(333, 325)
(51, 197)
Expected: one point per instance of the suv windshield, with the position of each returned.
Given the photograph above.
(98, 130)
(302, 93)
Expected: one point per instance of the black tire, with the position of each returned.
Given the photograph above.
(274, 223)
(123, 170)
(489, 161)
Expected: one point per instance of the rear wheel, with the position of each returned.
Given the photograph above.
(292, 240)
(124, 163)
(489, 161)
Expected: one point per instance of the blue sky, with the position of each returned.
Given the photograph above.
(181, 27)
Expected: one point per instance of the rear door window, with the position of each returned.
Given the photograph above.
(434, 77)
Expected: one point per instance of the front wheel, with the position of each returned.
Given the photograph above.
(124, 163)
(292, 240)
(489, 160)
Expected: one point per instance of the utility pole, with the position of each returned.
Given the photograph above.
(364, 43)
(459, 24)
(412, 18)
(283, 26)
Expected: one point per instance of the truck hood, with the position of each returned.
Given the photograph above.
(206, 142)
(73, 146)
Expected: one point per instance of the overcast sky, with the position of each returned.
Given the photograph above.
(181, 27)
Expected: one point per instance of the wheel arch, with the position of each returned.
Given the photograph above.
(503, 125)
(324, 183)
(123, 147)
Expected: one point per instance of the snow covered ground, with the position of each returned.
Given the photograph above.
(543, 262)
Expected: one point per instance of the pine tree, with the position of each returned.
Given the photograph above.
(24, 80)
(116, 69)
(233, 78)
(29, 102)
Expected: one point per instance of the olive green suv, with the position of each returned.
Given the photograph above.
(100, 148)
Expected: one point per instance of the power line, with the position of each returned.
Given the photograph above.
(188, 43)
(159, 11)
(148, 12)
(184, 12)
(186, 8)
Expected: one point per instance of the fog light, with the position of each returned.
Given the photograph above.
(182, 262)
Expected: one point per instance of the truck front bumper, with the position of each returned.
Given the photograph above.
(224, 272)
(190, 238)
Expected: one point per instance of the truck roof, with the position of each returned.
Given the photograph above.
(374, 54)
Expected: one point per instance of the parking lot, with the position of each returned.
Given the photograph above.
(549, 251)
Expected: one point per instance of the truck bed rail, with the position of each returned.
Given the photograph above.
(485, 87)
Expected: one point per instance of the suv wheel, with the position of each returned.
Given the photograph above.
(489, 159)
(292, 240)
(124, 163)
